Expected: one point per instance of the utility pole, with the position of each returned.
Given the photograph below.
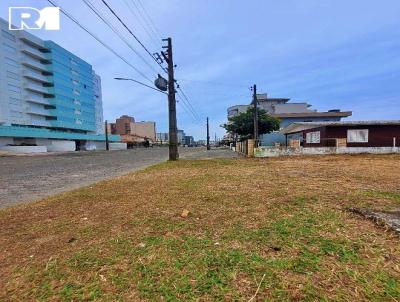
(255, 101)
(208, 135)
(106, 132)
(173, 136)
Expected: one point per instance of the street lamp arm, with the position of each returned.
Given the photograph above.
(138, 82)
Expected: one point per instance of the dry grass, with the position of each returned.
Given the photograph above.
(283, 220)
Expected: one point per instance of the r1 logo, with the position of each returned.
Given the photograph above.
(20, 18)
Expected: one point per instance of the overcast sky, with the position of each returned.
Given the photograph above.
(333, 54)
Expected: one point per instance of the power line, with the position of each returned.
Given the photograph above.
(188, 110)
(185, 107)
(156, 31)
(100, 41)
(139, 16)
(216, 83)
(155, 40)
(189, 103)
(91, 6)
(133, 35)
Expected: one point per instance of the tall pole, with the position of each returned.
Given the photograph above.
(255, 135)
(208, 135)
(173, 136)
(106, 132)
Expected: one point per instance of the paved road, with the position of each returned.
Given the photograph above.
(28, 178)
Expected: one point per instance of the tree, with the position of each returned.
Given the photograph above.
(243, 123)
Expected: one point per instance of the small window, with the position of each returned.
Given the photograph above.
(313, 137)
(357, 136)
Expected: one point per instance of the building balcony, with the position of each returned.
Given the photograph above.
(34, 64)
(36, 100)
(34, 52)
(43, 123)
(38, 88)
(30, 74)
(32, 40)
(39, 111)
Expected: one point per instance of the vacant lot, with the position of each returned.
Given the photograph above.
(276, 229)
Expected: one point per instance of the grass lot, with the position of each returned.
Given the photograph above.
(279, 225)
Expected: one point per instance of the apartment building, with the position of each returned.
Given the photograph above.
(288, 113)
(133, 132)
(48, 95)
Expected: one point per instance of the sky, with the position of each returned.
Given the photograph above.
(334, 54)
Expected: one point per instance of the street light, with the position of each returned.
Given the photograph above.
(148, 86)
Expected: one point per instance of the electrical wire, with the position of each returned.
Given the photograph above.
(155, 40)
(91, 6)
(132, 34)
(156, 31)
(99, 40)
(189, 103)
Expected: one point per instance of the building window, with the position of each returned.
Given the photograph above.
(313, 137)
(357, 136)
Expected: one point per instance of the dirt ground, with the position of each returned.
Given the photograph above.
(263, 229)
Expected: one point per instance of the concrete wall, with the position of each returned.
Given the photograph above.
(24, 149)
(273, 152)
(61, 146)
(93, 145)
(4, 141)
(118, 146)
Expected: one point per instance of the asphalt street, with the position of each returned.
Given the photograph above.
(29, 178)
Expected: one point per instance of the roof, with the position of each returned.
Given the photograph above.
(301, 126)
(314, 114)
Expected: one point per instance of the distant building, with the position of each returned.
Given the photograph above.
(48, 96)
(181, 137)
(162, 138)
(287, 113)
(133, 132)
(189, 140)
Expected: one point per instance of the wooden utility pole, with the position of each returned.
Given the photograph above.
(173, 136)
(106, 132)
(208, 135)
(255, 101)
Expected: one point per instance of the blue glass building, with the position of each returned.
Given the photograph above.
(48, 95)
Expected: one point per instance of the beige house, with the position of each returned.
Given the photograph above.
(132, 131)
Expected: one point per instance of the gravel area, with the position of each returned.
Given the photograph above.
(29, 178)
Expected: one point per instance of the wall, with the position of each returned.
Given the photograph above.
(61, 146)
(145, 129)
(93, 145)
(24, 149)
(4, 141)
(118, 146)
(273, 152)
